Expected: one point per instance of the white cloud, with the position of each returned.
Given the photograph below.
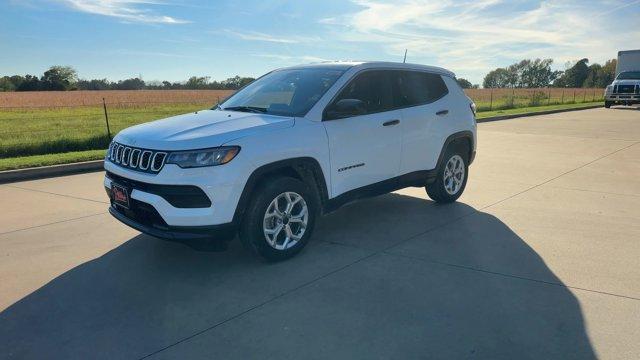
(258, 36)
(151, 54)
(129, 10)
(292, 59)
(473, 37)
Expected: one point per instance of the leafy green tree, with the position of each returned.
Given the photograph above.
(95, 84)
(607, 73)
(236, 82)
(498, 78)
(575, 75)
(196, 83)
(536, 73)
(6, 84)
(59, 78)
(523, 74)
(464, 83)
(130, 84)
(30, 83)
(593, 76)
(17, 80)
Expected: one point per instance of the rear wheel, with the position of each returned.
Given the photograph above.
(280, 219)
(451, 179)
(608, 104)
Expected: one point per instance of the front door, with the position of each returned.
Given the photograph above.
(365, 149)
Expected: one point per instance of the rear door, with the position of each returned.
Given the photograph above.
(365, 149)
(425, 111)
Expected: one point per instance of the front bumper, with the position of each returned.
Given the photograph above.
(623, 98)
(178, 204)
(223, 232)
(173, 191)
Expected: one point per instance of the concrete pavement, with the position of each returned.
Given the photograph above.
(538, 259)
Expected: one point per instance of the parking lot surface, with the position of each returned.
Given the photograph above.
(539, 259)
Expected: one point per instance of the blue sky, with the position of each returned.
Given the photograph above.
(173, 40)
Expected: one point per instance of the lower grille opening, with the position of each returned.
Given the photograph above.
(180, 196)
(143, 213)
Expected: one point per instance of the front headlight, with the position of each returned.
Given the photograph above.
(204, 157)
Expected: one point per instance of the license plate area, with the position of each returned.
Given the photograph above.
(120, 195)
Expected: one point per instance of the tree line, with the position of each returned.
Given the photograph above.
(65, 78)
(523, 74)
(538, 73)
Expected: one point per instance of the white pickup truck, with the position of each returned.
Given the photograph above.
(625, 89)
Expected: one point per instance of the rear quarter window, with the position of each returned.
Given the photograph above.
(417, 88)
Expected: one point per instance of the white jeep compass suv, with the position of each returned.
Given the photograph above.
(296, 143)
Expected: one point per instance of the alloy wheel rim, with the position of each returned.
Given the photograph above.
(454, 174)
(285, 220)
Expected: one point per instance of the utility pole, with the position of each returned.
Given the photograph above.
(405, 56)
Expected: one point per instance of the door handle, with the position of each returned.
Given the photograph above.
(391, 122)
(442, 112)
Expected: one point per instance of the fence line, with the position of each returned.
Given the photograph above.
(90, 126)
(501, 99)
(207, 102)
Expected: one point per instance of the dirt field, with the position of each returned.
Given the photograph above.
(112, 97)
(494, 98)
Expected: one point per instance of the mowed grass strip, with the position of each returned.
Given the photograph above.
(535, 109)
(50, 159)
(28, 132)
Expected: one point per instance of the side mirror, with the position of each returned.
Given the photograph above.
(345, 108)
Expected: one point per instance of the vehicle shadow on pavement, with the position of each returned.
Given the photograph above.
(384, 278)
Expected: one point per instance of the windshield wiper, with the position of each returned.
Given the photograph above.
(253, 109)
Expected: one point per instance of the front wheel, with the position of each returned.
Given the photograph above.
(280, 219)
(607, 104)
(451, 178)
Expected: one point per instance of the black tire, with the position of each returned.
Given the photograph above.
(607, 104)
(251, 230)
(437, 191)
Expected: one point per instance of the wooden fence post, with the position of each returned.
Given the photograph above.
(106, 118)
(491, 100)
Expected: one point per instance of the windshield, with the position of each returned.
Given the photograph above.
(629, 75)
(289, 92)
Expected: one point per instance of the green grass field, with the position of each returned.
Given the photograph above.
(47, 131)
(39, 137)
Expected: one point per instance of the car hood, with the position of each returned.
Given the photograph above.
(199, 130)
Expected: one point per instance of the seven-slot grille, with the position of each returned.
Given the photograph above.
(150, 161)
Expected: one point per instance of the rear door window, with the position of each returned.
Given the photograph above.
(417, 88)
